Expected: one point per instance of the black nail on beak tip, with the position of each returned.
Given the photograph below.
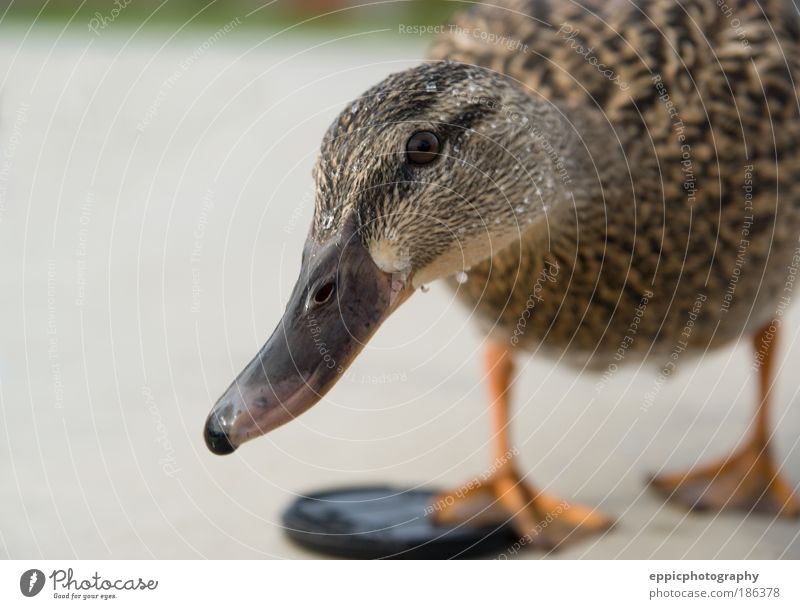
(217, 440)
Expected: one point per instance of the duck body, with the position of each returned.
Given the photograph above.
(616, 181)
(678, 150)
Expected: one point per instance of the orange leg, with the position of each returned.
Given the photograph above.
(748, 479)
(501, 495)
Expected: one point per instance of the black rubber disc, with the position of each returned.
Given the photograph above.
(384, 522)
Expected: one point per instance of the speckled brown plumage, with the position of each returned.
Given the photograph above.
(605, 160)
(662, 226)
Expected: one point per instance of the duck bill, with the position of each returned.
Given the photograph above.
(313, 344)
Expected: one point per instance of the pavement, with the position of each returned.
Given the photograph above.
(155, 193)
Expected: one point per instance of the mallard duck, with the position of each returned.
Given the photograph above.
(612, 177)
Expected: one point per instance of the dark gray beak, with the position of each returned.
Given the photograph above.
(339, 301)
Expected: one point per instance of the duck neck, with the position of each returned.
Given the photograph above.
(566, 167)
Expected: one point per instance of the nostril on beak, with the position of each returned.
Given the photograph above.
(216, 438)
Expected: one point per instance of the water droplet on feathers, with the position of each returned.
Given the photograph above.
(462, 277)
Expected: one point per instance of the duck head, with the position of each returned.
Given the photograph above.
(413, 184)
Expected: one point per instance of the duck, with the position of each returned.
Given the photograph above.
(598, 181)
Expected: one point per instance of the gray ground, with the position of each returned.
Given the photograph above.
(150, 230)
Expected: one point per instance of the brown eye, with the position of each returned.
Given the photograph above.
(422, 148)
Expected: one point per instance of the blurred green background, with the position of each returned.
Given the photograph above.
(263, 13)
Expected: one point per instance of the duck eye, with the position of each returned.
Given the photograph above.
(422, 148)
(324, 293)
